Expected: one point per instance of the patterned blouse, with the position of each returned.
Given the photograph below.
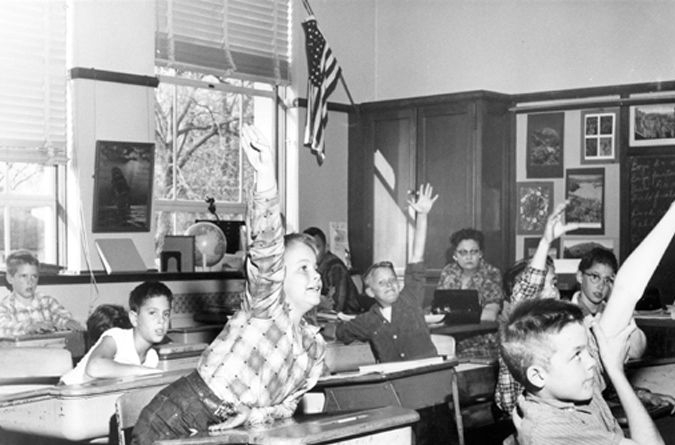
(16, 317)
(262, 359)
(487, 281)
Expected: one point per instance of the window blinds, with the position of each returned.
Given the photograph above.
(33, 81)
(238, 38)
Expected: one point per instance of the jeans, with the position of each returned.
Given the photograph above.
(183, 408)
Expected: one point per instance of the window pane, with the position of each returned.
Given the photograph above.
(27, 227)
(31, 179)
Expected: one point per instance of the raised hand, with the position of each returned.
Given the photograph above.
(259, 155)
(555, 226)
(425, 199)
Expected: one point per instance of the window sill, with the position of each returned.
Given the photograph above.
(102, 277)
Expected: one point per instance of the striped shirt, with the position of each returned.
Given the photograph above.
(262, 359)
(17, 317)
(551, 422)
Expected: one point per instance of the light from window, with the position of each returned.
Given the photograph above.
(27, 210)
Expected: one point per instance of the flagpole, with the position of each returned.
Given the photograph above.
(349, 94)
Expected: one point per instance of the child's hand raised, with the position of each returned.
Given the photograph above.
(425, 199)
(259, 155)
(554, 223)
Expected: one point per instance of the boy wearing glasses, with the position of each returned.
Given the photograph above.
(395, 326)
(595, 276)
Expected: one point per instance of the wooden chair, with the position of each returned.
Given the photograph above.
(127, 409)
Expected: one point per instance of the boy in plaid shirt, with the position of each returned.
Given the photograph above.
(26, 311)
(267, 355)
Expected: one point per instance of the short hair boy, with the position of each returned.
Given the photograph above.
(546, 348)
(121, 352)
(25, 310)
(596, 274)
(395, 326)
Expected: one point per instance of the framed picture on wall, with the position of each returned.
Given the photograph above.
(123, 176)
(577, 248)
(535, 200)
(598, 136)
(544, 150)
(530, 245)
(585, 192)
(651, 125)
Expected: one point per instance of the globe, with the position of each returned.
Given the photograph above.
(210, 243)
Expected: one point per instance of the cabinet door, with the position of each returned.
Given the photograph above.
(392, 138)
(447, 158)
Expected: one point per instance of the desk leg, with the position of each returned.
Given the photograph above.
(458, 411)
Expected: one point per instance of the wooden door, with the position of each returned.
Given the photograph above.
(447, 158)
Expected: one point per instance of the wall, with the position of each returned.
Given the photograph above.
(403, 48)
(113, 36)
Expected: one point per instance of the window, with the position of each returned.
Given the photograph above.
(32, 125)
(197, 156)
(220, 65)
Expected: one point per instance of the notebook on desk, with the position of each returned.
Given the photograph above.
(460, 306)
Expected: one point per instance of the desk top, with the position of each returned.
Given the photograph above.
(354, 378)
(313, 429)
(466, 329)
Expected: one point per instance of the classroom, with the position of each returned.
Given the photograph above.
(122, 161)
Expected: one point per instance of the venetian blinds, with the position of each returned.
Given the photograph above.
(33, 81)
(237, 38)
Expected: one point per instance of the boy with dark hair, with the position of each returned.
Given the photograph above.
(25, 310)
(121, 352)
(337, 284)
(595, 276)
(546, 346)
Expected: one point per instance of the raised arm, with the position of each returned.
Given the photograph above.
(264, 265)
(555, 228)
(613, 352)
(635, 273)
(425, 201)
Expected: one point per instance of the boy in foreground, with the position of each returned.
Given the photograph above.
(549, 351)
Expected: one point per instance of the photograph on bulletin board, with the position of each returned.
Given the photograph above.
(585, 193)
(535, 201)
(577, 248)
(544, 150)
(598, 136)
(651, 125)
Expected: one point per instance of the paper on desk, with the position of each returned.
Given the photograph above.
(399, 366)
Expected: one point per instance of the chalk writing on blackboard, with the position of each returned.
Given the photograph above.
(652, 190)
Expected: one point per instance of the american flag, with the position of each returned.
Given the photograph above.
(323, 75)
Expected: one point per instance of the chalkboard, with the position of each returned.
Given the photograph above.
(652, 190)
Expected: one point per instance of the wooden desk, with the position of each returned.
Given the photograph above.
(73, 412)
(466, 330)
(416, 388)
(73, 341)
(390, 425)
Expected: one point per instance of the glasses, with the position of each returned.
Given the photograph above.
(595, 278)
(379, 265)
(465, 253)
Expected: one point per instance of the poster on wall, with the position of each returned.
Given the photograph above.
(338, 241)
(544, 150)
(598, 136)
(585, 193)
(123, 177)
(535, 200)
(530, 245)
(652, 125)
(577, 248)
